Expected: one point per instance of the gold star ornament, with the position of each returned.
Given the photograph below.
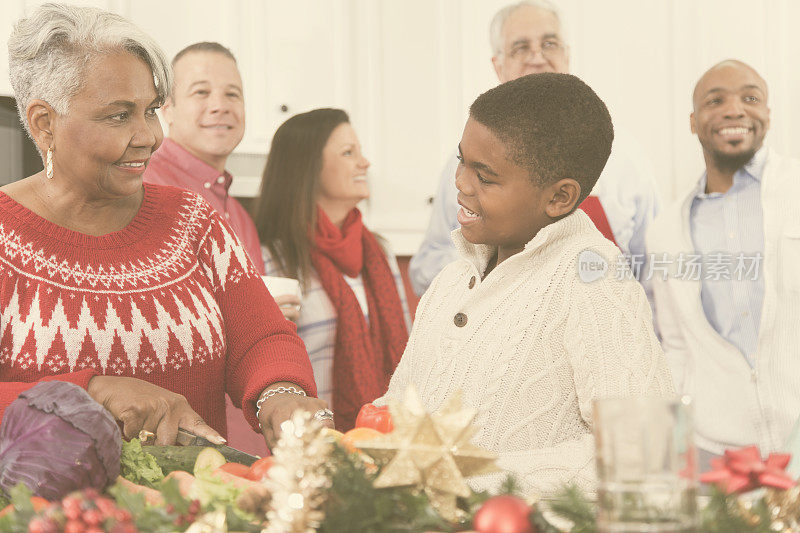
(430, 451)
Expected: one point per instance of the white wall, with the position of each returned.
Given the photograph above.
(643, 58)
(407, 71)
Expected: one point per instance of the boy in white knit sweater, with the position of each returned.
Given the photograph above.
(540, 316)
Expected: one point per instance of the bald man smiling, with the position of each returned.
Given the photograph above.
(728, 298)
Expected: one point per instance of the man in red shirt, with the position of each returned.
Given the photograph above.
(205, 114)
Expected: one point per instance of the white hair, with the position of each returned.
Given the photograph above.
(49, 50)
(500, 18)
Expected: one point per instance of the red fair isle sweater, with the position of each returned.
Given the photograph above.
(171, 299)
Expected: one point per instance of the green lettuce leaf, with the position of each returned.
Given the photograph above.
(139, 466)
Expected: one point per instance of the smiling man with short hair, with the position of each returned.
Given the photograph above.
(205, 114)
(728, 303)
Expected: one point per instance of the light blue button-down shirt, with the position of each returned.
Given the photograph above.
(728, 231)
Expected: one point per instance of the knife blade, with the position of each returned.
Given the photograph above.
(187, 438)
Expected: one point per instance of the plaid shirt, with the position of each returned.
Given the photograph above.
(317, 322)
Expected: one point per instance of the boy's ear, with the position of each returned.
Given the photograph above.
(564, 196)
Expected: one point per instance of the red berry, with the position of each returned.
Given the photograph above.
(194, 507)
(93, 517)
(106, 506)
(94, 529)
(74, 526)
(121, 515)
(72, 507)
(124, 528)
(36, 526)
(170, 508)
(43, 525)
(72, 513)
(70, 500)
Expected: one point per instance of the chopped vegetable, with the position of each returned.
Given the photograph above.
(216, 488)
(139, 466)
(375, 417)
(37, 503)
(232, 479)
(208, 460)
(151, 496)
(356, 436)
(259, 469)
(55, 438)
(172, 458)
(236, 469)
(184, 480)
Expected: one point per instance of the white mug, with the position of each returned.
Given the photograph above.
(278, 286)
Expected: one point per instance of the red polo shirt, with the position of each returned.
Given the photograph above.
(173, 165)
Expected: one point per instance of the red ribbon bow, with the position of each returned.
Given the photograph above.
(743, 470)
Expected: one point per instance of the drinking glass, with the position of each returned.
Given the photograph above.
(646, 465)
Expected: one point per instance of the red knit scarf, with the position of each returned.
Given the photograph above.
(364, 357)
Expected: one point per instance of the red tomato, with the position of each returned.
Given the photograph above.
(39, 503)
(259, 469)
(236, 469)
(371, 416)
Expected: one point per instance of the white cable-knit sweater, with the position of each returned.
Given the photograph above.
(736, 404)
(531, 346)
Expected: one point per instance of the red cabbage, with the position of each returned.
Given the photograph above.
(55, 438)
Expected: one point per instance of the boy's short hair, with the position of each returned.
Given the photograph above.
(553, 125)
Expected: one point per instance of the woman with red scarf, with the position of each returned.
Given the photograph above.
(353, 315)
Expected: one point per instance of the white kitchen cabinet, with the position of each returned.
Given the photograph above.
(293, 56)
(407, 71)
(12, 11)
(407, 109)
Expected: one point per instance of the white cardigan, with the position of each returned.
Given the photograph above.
(734, 404)
(537, 347)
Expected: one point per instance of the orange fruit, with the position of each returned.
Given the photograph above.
(356, 435)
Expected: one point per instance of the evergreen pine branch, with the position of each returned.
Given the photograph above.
(510, 486)
(541, 524)
(723, 515)
(355, 505)
(571, 504)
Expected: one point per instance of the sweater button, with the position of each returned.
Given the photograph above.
(460, 320)
(471, 282)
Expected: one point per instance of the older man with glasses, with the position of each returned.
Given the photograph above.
(527, 38)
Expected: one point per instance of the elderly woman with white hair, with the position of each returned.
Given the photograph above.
(139, 293)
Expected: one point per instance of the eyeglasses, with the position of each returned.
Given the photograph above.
(550, 49)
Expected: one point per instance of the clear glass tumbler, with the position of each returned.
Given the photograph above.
(646, 465)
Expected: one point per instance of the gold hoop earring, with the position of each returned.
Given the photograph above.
(49, 165)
